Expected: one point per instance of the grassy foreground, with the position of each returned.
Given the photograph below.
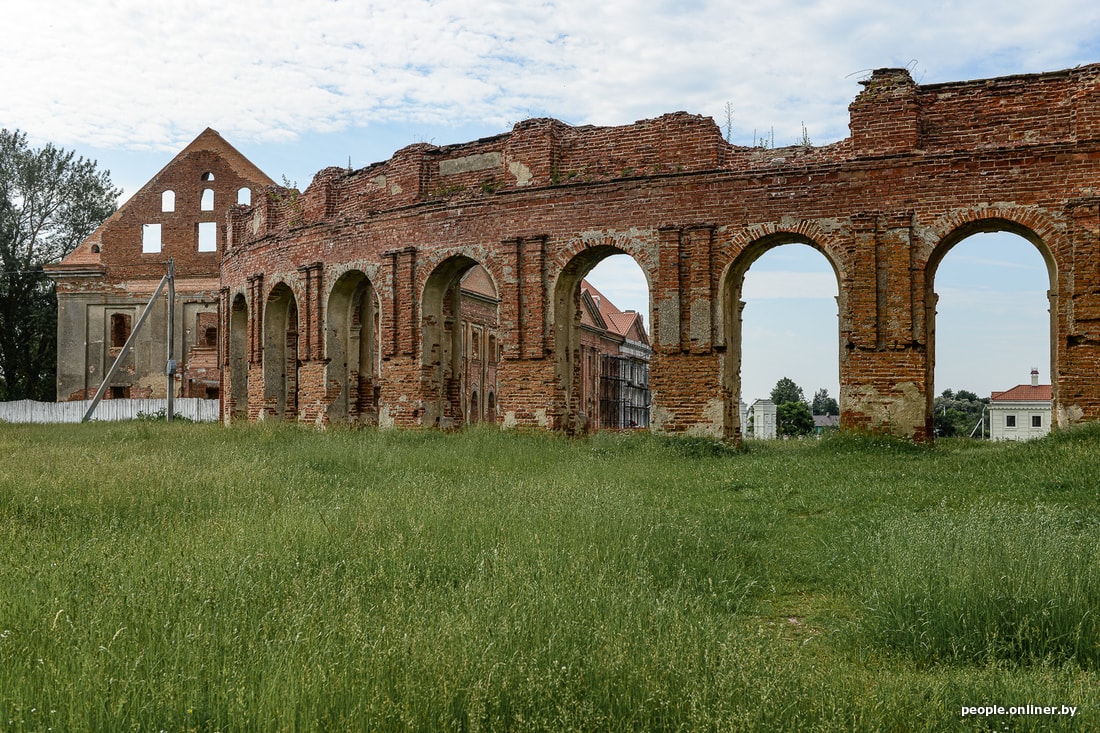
(197, 578)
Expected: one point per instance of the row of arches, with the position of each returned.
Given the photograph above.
(460, 349)
(461, 342)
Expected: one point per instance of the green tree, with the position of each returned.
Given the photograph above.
(958, 414)
(823, 404)
(786, 390)
(793, 419)
(50, 200)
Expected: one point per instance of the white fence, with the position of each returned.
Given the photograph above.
(26, 411)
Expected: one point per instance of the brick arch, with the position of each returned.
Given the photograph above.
(1027, 223)
(352, 316)
(238, 355)
(444, 393)
(748, 246)
(570, 265)
(604, 244)
(281, 357)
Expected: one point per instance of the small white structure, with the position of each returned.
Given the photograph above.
(763, 420)
(1021, 413)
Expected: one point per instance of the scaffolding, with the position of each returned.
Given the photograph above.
(624, 392)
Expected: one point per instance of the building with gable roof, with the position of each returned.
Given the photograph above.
(104, 285)
(1020, 413)
(614, 358)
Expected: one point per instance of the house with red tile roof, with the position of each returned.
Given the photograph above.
(1020, 413)
(614, 353)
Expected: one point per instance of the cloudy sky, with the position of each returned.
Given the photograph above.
(301, 85)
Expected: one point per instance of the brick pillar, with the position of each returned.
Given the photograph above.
(403, 338)
(666, 292)
(700, 288)
(1076, 344)
(532, 297)
(256, 319)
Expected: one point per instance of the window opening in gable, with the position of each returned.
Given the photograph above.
(208, 236)
(168, 201)
(208, 176)
(207, 199)
(244, 196)
(150, 238)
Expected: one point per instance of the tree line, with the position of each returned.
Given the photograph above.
(50, 201)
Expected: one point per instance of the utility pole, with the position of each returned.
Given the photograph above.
(170, 368)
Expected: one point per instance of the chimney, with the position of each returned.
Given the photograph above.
(1034, 377)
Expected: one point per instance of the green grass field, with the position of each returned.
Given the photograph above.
(198, 578)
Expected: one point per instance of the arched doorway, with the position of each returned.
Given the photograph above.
(351, 350)
(602, 347)
(461, 350)
(991, 324)
(782, 324)
(238, 358)
(281, 354)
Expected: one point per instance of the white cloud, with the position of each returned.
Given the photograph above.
(138, 74)
(783, 284)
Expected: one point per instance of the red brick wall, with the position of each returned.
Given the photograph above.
(924, 167)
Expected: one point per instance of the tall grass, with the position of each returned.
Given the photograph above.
(993, 583)
(192, 577)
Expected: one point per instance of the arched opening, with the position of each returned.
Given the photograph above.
(602, 347)
(781, 323)
(475, 415)
(244, 196)
(352, 351)
(460, 315)
(168, 201)
(990, 325)
(238, 358)
(281, 354)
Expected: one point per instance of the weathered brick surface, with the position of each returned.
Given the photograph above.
(924, 167)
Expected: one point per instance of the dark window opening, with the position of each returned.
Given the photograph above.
(120, 330)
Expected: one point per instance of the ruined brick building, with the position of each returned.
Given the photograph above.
(346, 302)
(104, 285)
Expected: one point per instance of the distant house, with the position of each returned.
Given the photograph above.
(763, 420)
(1020, 413)
(615, 355)
(826, 423)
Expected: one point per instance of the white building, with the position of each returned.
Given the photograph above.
(1021, 413)
(763, 419)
